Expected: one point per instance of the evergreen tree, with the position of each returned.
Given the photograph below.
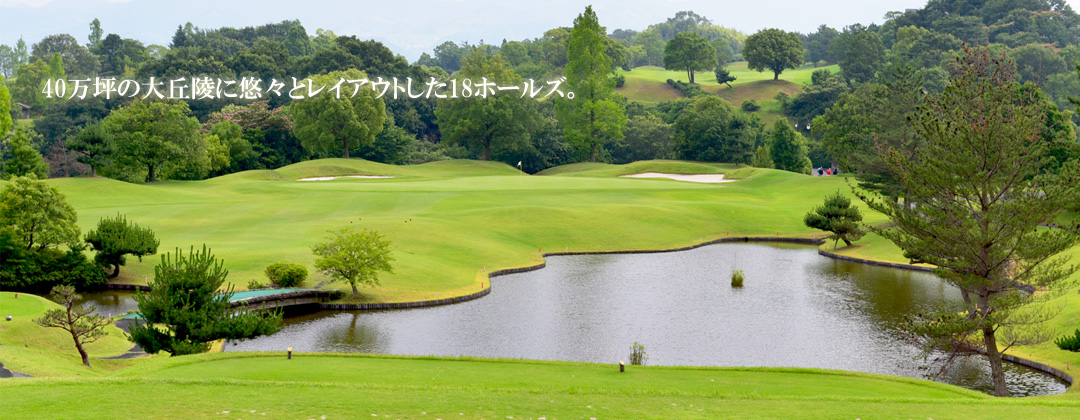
(592, 117)
(185, 309)
(95, 34)
(838, 217)
(115, 237)
(723, 75)
(179, 39)
(80, 321)
(92, 145)
(25, 159)
(974, 200)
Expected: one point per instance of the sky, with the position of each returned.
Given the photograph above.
(410, 28)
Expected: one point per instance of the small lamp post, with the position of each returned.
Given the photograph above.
(622, 366)
(290, 353)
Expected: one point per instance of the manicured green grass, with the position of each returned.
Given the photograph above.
(463, 216)
(30, 348)
(447, 220)
(358, 386)
(649, 83)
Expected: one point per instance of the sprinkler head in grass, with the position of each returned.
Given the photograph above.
(622, 366)
(290, 353)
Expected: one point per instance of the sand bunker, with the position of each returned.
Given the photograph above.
(711, 179)
(327, 178)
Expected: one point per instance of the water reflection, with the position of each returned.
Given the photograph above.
(796, 309)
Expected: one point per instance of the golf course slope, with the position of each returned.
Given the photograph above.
(450, 222)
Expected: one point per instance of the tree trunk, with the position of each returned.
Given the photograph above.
(355, 291)
(82, 351)
(345, 143)
(997, 371)
(776, 75)
(691, 76)
(93, 171)
(592, 153)
(487, 152)
(115, 272)
(150, 175)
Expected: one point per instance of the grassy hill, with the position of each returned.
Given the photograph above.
(447, 220)
(649, 85)
(30, 348)
(462, 216)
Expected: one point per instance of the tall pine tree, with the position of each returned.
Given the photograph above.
(974, 200)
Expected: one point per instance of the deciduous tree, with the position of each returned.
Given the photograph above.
(788, 148)
(149, 134)
(773, 49)
(865, 55)
(5, 108)
(38, 213)
(711, 130)
(326, 122)
(691, 53)
(491, 122)
(354, 257)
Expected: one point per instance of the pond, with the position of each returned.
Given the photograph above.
(797, 309)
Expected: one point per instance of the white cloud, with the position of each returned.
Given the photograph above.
(29, 3)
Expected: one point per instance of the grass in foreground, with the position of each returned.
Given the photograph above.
(238, 385)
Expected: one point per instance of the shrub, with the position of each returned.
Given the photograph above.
(737, 277)
(620, 80)
(687, 89)
(254, 284)
(638, 355)
(750, 105)
(1070, 343)
(286, 274)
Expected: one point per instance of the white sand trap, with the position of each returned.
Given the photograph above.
(711, 179)
(327, 178)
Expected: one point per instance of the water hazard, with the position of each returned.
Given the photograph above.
(797, 309)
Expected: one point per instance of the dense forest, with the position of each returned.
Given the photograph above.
(884, 70)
